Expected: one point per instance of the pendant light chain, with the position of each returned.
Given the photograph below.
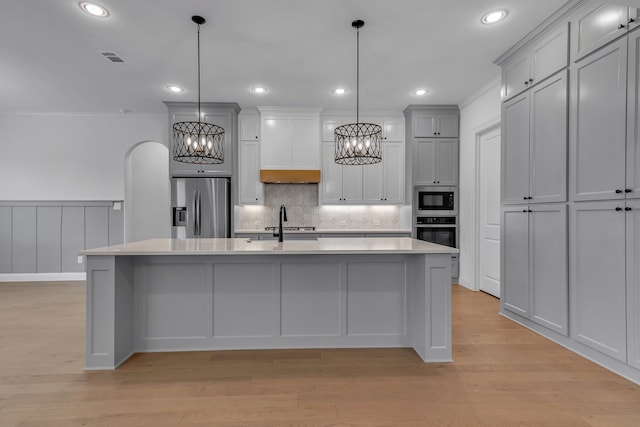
(357, 75)
(199, 113)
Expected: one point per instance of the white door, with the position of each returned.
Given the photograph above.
(489, 212)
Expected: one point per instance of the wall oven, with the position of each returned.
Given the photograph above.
(437, 229)
(435, 200)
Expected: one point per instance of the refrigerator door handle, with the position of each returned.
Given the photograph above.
(199, 213)
(195, 213)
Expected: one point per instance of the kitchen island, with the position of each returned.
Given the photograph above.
(221, 294)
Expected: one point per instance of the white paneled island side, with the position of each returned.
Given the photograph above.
(223, 294)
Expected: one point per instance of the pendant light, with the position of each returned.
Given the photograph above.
(198, 142)
(358, 143)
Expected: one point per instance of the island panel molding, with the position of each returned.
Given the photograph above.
(335, 293)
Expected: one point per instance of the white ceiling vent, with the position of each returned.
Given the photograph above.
(112, 56)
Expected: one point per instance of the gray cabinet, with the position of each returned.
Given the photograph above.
(546, 57)
(435, 162)
(632, 187)
(632, 217)
(217, 113)
(598, 143)
(435, 124)
(598, 282)
(535, 144)
(535, 264)
(599, 23)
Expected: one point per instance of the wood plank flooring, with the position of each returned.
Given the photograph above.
(503, 375)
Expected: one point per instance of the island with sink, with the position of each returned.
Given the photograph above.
(220, 294)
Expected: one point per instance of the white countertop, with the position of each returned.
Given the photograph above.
(239, 246)
(328, 231)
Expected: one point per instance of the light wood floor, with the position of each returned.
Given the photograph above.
(503, 375)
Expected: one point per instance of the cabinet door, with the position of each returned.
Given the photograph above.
(393, 165)
(352, 185)
(275, 150)
(424, 162)
(331, 182)
(633, 282)
(424, 125)
(598, 277)
(597, 26)
(515, 260)
(548, 140)
(633, 121)
(551, 54)
(250, 187)
(516, 75)
(305, 146)
(373, 180)
(549, 265)
(515, 150)
(447, 162)
(598, 141)
(393, 130)
(249, 128)
(447, 125)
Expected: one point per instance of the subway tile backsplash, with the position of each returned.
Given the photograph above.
(301, 201)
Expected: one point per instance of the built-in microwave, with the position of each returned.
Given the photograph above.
(435, 200)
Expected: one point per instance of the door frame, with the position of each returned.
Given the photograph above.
(481, 130)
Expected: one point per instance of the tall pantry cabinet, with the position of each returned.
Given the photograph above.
(571, 185)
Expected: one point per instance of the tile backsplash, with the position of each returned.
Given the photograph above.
(301, 201)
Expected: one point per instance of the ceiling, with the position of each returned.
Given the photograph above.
(299, 49)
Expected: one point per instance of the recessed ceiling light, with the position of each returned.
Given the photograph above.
(494, 16)
(175, 89)
(420, 92)
(94, 9)
(340, 91)
(259, 89)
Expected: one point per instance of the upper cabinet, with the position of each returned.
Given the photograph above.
(250, 189)
(224, 115)
(289, 138)
(547, 56)
(376, 184)
(433, 152)
(598, 23)
(535, 148)
(435, 124)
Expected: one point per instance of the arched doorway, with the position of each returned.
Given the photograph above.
(147, 192)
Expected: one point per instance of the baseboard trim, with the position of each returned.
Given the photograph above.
(42, 277)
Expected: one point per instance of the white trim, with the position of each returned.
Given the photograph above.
(85, 114)
(466, 284)
(481, 130)
(42, 277)
(496, 81)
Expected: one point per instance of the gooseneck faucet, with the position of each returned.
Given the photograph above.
(282, 216)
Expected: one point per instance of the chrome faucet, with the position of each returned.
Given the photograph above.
(282, 216)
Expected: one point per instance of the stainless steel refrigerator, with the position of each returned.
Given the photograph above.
(201, 207)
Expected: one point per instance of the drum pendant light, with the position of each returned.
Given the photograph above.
(358, 143)
(198, 142)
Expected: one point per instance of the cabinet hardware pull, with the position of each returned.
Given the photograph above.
(627, 209)
(524, 198)
(628, 190)
(530, 80)
(618, 209)
(631, 20)
(524, 210)
(621, 26)
(530, 211)
(526, 82)
(618, 191)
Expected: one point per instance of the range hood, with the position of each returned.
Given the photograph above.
(290, 176)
